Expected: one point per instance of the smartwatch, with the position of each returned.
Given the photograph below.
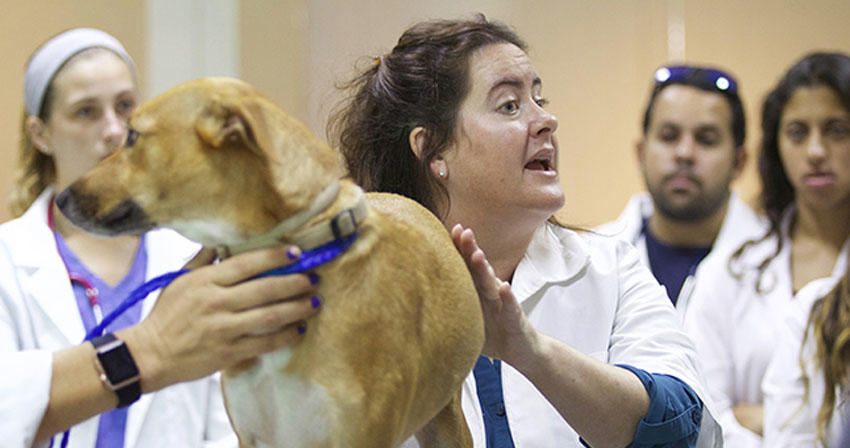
(117, 369)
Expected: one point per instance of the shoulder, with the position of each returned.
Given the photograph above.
(796, 315)
(599, 248)
(741, 214)
(13, 230)
(610, 249)
(28, 235)
(606, 258)
(740, 225)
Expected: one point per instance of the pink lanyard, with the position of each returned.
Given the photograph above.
(91, 291)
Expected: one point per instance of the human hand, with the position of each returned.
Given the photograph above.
(509, 335)
(750, 416)
(213, 317)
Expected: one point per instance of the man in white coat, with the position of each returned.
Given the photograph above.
(691, 150)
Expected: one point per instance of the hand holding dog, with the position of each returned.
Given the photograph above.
(509, 335)
(214, 317)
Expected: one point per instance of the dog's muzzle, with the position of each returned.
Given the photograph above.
(82, 210)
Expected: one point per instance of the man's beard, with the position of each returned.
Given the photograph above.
(703, 205)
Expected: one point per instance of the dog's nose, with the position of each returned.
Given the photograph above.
(62, 198)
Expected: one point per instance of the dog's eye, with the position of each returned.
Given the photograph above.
(132, 135)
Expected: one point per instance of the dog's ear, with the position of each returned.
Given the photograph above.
(226, 123)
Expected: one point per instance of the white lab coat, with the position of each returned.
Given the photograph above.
(734, 327)
(740, 224)
(593, 293)
(38, 315)
(789, 421)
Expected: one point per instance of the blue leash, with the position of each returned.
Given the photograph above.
(310, 259)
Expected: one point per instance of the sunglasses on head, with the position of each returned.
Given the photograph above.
(675, 73)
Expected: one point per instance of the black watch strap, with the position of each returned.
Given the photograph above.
(118, 370)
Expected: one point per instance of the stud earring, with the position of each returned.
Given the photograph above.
(442, 173)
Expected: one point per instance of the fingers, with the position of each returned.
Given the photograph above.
(256, 345)
(275, 317)
(249, 264)
(464, 240)
(266, 290)
(488, 285)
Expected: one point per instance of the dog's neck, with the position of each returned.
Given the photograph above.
(291, 230)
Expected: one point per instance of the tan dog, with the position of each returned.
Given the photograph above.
(400, 325)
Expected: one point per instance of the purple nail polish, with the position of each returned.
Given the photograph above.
(302, 328)
(315, 302)
(314, 278)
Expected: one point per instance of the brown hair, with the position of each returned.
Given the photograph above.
(35, 170)
(829, 320)
(421, 82)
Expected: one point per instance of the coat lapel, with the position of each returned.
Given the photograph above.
(44, 277)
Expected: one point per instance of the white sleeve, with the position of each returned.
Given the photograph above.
(788, 421)
(647, 333)
(24, 393)
(789, 418)
(708, 323)
(24, 375)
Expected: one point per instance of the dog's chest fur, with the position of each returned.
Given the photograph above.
(275, 408)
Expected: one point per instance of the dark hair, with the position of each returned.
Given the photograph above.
(831, 70)
(818, 69)
(696, 77)
(421, 82)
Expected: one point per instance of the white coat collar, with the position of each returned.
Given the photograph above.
(555, 256)
(34, 250)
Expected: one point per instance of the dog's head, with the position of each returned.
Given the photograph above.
(211, 158)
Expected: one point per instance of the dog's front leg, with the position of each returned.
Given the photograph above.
(447, 429)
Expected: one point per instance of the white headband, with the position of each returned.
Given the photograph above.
(44, 64)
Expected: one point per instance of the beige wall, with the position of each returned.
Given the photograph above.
(596, 58)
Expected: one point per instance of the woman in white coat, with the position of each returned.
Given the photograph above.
(453, 117)
(805, 383)
(58, 281)
(804, 166)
